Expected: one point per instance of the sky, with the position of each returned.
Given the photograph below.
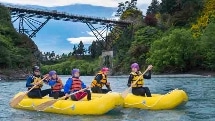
(61, 36)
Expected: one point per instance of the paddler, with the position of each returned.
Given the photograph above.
(56, 85)
(74, 84)
(137, 88)
(35, 79)
(99, 81)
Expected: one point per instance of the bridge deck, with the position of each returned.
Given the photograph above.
(54, 14)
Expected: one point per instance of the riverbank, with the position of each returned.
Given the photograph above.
(7, 74)
(23, 74)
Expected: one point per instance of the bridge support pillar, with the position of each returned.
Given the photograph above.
(107, 60)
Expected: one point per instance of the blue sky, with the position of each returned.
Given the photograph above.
(60, 36)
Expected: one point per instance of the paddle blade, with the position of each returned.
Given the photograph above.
(125, 93)
(45, 105)
(16, 100)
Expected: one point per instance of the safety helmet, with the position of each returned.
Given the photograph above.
(74, 71)
(105, 69)
(135, 65)
(52, 72)
(36, 68)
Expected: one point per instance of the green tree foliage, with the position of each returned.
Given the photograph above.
(16, 50)
(122, 7)
(143, 39)
(181, 12)
(174, 52)
(207, 47)
(74, 50)
(153, 8)
(87, 67)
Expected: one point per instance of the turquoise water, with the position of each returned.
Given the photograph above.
(200, 107)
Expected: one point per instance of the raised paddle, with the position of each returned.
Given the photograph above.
(19, 98)
(125, 93)
(47, 104)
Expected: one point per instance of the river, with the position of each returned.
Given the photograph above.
(200, 107)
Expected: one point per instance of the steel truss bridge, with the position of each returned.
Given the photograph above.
(30, 23)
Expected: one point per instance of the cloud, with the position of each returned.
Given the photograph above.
(85, 40)
(52, 3)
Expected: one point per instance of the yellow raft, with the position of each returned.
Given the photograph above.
(100, 104)
(157, 101)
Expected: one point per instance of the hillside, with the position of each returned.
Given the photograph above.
(175, 36)
(17, 52)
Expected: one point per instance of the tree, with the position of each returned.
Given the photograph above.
(168, 6)
(153, 8)
(122, 7)
(93, 50)
(81, 49)
(207, 47)
(74, 50)
(150, 20)
(174, 52)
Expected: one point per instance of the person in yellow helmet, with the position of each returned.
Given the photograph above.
(137, 88)
(99, 81)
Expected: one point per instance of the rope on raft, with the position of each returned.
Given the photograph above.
(33, 106)
(150, 106)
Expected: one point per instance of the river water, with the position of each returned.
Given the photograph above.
(200, 107)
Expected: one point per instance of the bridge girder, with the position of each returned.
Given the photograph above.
(30, 26)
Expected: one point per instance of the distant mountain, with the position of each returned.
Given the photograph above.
(84, 9)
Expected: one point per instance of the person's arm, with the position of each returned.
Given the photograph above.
(67, 86)
(129, 80)
(51, 82)
(28, 82)
(98, 78)
(83, 85)
(147, 75)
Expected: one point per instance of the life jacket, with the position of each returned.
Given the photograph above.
(103, 81)
(58, 86)
(140, 81)
(36, 80)
(76, 84)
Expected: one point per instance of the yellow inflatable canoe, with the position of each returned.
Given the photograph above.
(156, 102)
(100, 104)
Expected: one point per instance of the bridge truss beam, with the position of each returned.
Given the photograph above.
(28, 25)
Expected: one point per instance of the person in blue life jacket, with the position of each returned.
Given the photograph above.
(74, 84)
(33, 80)
(56, 85)
(99, 81)
(137, 88)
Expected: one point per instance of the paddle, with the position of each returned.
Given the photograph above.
(125, 93)
(47, 104)
(19, 98)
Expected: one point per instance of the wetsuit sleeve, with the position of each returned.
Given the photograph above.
(28, 82)
(67, 86)
(98, 78)
(147, 75)
(129, 80)
(83, 85)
